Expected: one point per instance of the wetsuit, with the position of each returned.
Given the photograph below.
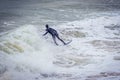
(54, 34)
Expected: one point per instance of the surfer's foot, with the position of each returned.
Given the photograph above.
(57, 44)
(65, 44)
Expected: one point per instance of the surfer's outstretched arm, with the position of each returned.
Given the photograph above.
(45, 33)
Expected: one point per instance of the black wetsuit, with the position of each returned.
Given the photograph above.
(54, 34)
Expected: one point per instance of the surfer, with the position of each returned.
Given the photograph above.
(54, 34)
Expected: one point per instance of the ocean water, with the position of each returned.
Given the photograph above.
(14, 13)
(92, 25)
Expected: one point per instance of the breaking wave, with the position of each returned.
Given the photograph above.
(24, 51)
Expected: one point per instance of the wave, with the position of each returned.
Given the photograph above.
(20, 40)
(101, 27)
(25, 46)
(23, 51)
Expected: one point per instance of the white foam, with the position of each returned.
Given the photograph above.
(95, 27)
(26, 54)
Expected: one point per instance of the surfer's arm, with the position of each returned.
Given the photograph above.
(45, 33)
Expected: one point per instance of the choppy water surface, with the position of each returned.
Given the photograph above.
(92, 25)
(14, 13)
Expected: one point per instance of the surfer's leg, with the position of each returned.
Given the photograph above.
(54, 38)
(60, 39)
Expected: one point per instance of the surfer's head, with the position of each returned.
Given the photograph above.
(47, 26)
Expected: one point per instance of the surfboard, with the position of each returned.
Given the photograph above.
(68, 42)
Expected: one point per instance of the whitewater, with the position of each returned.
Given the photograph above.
(92, 25)
(94, 53)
